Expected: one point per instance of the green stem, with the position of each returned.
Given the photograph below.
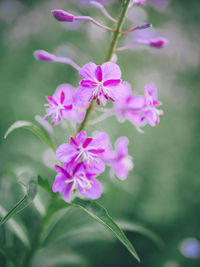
(110, 53)
(86, 117)
(34, 248)
(117, 33)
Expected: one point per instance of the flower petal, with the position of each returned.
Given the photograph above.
(80, 138)
(66, 153)
(87, 142)
(67, 191)
(150, 94)
(120, 170)
(59, 184)
(137, 118)
(101, 140)
(99, 74)
(121, 146)
(152, 117)
(136, 102)
(112, 82)
(94, 192)
(88, 83)
(114, 92)
(52, 100)
(88, 71)
(110, 71)
(83, 95)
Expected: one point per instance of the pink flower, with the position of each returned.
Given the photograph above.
(120, 162)
(77, 113)
(150, 112)
(129, 106)
(138, 109)
(100, 82)
(59, 105)
(83, 148)
(76, 176)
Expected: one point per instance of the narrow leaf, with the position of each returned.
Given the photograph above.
(96, 211)
(33, 128)
(133, 227)
(24, 202)
(10, 258)
(17, 228)
(44, 184)
(100, 214)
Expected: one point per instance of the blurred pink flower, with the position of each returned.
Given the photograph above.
(138, 109)
(119, 161)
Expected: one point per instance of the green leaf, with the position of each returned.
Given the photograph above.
(33, 128)
(133, 227)
(24, 202)
(100, 214)
(44, 184)
(58, 256)
(96, 211)
(9, 257)
(17, 228)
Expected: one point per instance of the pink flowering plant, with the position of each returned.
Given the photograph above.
(84, 156)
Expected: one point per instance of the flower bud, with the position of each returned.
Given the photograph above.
(62, 15)
(140, 2)
(158, 42)
(43, 55)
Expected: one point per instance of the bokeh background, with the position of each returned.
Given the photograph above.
(163, 191)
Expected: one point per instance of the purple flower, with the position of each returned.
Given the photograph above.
(83, 148)
(150, 112)
(100, 82)
(77, 113)
(119, 161)
(138, 109)
(190, 248)
(76, 176)
(59, 105)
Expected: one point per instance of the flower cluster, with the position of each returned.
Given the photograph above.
(84, 158)
(138, 109)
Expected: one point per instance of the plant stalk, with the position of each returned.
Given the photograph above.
(110, 53)
(36, 244)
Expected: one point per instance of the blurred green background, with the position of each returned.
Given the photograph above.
(163, 190)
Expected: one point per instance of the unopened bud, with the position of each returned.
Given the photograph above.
(158, 42)
(43, 55)
(62, 15)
